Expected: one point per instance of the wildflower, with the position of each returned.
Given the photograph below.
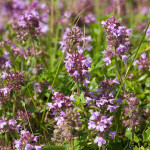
(4, 75)
(77, 65)
(100, 141)
(143, 62)
(60, 102)
(131, 111)
(24, 142)
(118, 39)
(89, 18)
(37, 87)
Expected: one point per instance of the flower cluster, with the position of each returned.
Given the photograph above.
(118, 39)
(5, 62)
(30, 20)
(37, 87)
(15, 8)
(8, 125)
(24, 116)
(143, 62)
(73, 40)
(99, 123)
(20, 52)
(77, 65)
(102, 99)
(25, 141)
(60, 103)
(89, 18)
(68, 125)
(13, 80)
(131, 112)
(28, 24)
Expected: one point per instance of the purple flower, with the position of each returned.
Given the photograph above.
(76, 74)
(5, 90)
(89, 18)
(111, 108)
(112, 133)
(59, 119)
(12, 122)
(8, 64)
(91, 125)
(38, 147)
(118, 39)
(143, 62)
(67, 14)
(121, 48)
(124, 58)
(100, 141)
(107, 61)
(29, 147)
(143, 56)
(116, 81)
(88, 100)
(86, 83)
(21, 22)
(4, 75)
(18, 144)
(37, 87)
(148, 33)
(6, 55)
(86, 62)
(2, 124)
(135, 62)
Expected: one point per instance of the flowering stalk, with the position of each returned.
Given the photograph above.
(133, 60)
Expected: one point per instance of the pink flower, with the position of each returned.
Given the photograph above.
(100, 141)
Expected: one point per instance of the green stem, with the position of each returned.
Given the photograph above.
(14, 107)
(118, 69)
(132, 144)
(72, 143)
(78, 89)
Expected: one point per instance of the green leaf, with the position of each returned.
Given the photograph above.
(11, 93)
(142, 77)
(37, 40)
(146, 135)
(128, 133)
(147, 83)
(74, 87)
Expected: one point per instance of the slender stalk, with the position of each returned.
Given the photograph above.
(78, 89)
(132, 144)
(118, 69)
(34, 52)
(72, 144)
(14, 106)
(52, 17)
(118, 8)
